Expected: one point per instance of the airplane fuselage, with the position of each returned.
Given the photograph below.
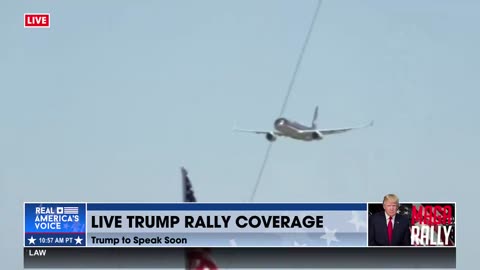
(294, 130)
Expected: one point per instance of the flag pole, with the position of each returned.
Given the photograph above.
(184, 199)
(184, 184)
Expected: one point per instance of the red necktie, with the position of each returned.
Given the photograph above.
(390, 230)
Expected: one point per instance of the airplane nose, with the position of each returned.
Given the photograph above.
(280, 122)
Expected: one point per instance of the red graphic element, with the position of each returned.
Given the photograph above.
(36, 20)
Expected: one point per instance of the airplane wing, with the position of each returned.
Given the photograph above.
(341, 130)
(257, 131)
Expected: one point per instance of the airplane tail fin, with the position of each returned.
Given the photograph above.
(314, 121)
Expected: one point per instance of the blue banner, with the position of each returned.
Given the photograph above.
(196, 224)
(55, 224)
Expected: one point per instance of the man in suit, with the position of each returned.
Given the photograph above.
(387, 228)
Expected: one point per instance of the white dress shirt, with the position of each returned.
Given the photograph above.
(387, 219)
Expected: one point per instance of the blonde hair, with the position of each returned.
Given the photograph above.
(391, 197)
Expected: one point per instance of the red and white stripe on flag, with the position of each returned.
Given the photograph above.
(199, 259)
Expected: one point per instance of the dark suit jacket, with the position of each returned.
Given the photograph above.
(378, 234)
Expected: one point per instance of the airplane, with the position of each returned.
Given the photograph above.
(287, 128)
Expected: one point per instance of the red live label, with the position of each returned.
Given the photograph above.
(37, 20)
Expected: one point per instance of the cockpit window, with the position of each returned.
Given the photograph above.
(280, 121)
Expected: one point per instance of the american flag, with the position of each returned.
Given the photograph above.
(188, 194)
(198, 258)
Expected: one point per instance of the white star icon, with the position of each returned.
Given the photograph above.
(329, 236)
(31, 240)
(233, 243)
(296, 244)
(78, 240)
(356, 221)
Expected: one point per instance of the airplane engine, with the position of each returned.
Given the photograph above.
(271, 137)
(317, 135)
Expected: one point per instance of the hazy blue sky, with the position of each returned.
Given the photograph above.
(108, 103)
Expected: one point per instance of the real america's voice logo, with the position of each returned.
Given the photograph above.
(36, 20)
(55, 224)
(53, 217)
